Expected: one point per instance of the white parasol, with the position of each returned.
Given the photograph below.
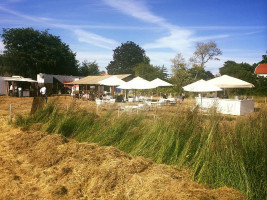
(137, 83)
(112, 81)
(201, 86)
(226, 81)
(158, 82)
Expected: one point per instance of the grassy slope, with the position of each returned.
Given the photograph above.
(218, 150)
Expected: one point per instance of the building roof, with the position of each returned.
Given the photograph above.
(93, 80)
(261, 69)
(48, 78)
(15, 79)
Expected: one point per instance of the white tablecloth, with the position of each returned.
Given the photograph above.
(227, 106)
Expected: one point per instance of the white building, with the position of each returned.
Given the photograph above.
(55, 83)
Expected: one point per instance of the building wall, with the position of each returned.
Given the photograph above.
(264, 75)
(3, 86)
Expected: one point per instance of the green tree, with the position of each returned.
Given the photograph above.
(89, 68)
(204, 53)
(264, 58)
(181, 74)
(29, 52)
(150, 72)
(245, 71)
(200, 73)
(126, 57)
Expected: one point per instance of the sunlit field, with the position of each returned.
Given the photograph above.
(219, 150)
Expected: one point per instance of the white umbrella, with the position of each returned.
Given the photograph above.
(158, 82)
(201, 86)
(112, 81)
(226, 81)
(137, 83)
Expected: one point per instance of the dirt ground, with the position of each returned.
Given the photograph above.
(37, 165)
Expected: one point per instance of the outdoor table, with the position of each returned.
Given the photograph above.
(227, 106)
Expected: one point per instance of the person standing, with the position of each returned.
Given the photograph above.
(11, 90)
(43, 93)
(20, 91)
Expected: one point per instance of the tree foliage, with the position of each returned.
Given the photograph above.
(29, 52)
(150, 72)
(89, 68)
(245, 71)
(264, 58)
(181, 75)
(126, 57)
(205, 52)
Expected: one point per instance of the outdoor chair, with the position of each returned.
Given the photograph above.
(148, 105)
(161, 102)
(99, 102)
(112, 101)
(172, 101)
(141, 106)
(130, 100)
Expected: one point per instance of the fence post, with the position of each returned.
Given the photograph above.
(265, 99)
(97, 109)
(10, 118)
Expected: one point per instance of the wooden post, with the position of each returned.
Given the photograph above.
(97, 109)
(10, 119)
(265, 99)
(86, 93)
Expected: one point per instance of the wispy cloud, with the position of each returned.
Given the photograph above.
(31, 18)
(94, 39)
(102, 58)
(176, 38)
(82, 35)
(226, 27)
(2, 47)
(136, 9)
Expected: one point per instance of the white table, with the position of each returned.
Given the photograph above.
(227, 106)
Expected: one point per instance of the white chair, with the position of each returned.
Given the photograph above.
(98, 102)
(130, 100)
(161, 102)
(148, 104)
(141, 106)
(112, 101)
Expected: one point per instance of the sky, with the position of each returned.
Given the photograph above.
(163, 28)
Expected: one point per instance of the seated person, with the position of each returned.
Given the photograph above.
(164, 96)
(211, 95)
(183, 96)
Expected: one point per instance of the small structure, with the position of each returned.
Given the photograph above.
(56, 84)
(261, 70)
(26, 86)
(91, 87)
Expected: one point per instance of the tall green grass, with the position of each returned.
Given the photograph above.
(219, 151)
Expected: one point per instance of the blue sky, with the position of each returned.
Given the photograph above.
(94, 28)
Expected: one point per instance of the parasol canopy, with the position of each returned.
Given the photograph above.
(158, 82)
(226, 81)
(201, 86)
(112, 81)
(137, 83)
